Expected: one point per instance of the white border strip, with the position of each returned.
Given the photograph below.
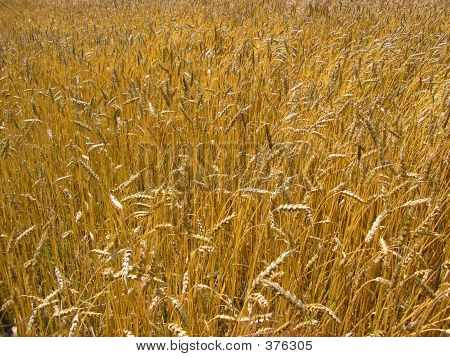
(207, 346)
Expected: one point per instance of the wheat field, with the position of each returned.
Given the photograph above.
(225, 168)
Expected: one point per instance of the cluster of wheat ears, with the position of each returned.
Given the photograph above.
(225, 168)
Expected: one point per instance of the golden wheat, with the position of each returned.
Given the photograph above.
(224, 168)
